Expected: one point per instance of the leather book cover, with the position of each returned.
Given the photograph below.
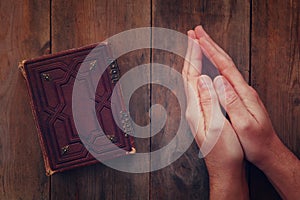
(50, 81)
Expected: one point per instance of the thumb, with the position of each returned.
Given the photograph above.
(230, 101)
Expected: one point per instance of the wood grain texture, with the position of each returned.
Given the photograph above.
(228, 23)
(28, 31)
(24, 34)
(275, 75)
(78, 23)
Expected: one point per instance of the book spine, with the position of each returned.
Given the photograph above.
(49, 171)
(115, 76)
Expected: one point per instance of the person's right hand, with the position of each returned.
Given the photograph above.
(251, 122)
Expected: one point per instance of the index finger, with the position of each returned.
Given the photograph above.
(224, 64)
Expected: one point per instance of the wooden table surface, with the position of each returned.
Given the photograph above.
(262, 37)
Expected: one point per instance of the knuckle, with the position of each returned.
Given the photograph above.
(227, 61)
(246, 126)
(207, 99)
(207, 93)
(230, 98)
(214, 56)
(228, 65)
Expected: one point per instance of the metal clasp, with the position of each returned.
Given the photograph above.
(114, 71)
(46, 77)
(127, 126)
(64, 149)
(112, 138)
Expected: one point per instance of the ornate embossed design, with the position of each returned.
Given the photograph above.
(51, 82)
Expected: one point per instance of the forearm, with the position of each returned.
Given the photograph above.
(283, 169)
(230, 184)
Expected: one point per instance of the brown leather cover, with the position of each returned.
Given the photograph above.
(50, 81)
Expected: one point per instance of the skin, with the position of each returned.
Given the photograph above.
(225, 162)
(249, 134)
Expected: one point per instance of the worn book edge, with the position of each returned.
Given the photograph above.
(21, 66)
(49, 171)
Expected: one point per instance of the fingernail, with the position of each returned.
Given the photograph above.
(191, 34)
(200, 28)
(219, 83)
(200, 31)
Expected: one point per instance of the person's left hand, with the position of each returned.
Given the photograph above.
(208, 124)
(223, 154)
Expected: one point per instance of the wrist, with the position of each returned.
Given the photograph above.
(273, 153)
(282, 168)
(228, 183)
(217, 175)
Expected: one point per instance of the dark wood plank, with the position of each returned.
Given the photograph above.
(228, 24)
(78, 23)
(24, 34)
(275, 75)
